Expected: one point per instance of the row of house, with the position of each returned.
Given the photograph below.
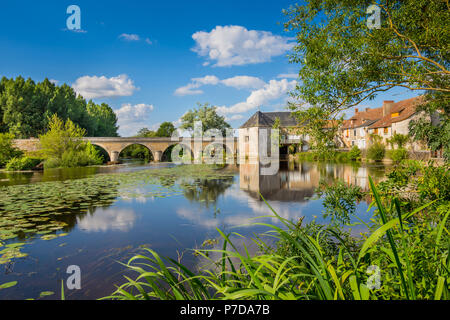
(392, 117)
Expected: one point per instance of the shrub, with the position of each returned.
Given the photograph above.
(355, 153)
(63, 146)
(24, 163)
(7, 150)
(398, 155)
(342, 156)
(376, 151)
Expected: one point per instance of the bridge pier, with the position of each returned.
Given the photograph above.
(157, 156)
(114, 156)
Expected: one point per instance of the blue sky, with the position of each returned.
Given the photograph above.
(151, 61)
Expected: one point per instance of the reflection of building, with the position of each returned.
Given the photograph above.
(298, 182)
(284, 186)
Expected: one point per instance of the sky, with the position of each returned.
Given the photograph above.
(152, 61)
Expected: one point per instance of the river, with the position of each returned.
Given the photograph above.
(170, 216)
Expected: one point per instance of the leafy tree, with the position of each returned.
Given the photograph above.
(208, 116)
(63, 145)
(434, 128)
(315, 123)
(26, 107)
(398, 140)
(7, 149)
(166, 129)
(344, 62)
(146, 133)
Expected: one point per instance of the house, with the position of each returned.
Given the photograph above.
(392, 117)
(251, 131)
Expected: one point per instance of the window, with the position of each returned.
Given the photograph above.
(395, 115)
(386, 130)
(375, 131)
(354, 133)
(247, 138)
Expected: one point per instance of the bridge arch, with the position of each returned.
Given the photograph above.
(139, 152)
(103, 152)
(166, 155)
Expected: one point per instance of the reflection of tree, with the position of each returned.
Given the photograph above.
(206, 191)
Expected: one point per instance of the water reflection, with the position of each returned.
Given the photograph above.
(107, 222)
(103, 220)
(298, 181)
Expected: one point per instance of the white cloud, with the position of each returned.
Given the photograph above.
(188, 90)
(234, 117)
(55, 82)
(132, 118)
(235, 45)
(191, 88)
(212, 80)
(275, 89)
(238, 82)
(148, 41)
(130, 37)
(244, 82)
(287, 76)
(102, 87)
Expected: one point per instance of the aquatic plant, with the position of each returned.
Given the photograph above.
(389, 263)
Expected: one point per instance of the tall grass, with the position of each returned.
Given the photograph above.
(311, 273)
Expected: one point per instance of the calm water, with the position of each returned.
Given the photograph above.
(97, 240)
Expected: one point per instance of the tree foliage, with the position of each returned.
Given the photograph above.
(434, 128)
(208, 116)
(343, 62)
(7, 149)
(63, 145)
(26, 106)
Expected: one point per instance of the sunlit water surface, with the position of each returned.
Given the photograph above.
(97, 240)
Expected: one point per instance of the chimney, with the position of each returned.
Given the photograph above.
(387, 106)
(367, 109)
(356, 110)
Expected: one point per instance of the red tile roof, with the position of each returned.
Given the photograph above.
(373, 118)
(405, 109)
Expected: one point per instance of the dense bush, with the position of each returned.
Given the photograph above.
(398, 155)
(24, 163)
(354, 153)
(7, 150)
(76, 158)
(376, 151)
(63, 146)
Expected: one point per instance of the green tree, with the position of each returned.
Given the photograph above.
(399, 140)
(26, 107)
(434, 129)
(146, 133)
(343, 62)
(166, 129)
(208, 116)
(63, 145)
(7, 149)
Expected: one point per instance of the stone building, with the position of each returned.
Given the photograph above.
(392, 117)
(255, 133)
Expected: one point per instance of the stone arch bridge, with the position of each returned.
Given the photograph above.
(157, 146)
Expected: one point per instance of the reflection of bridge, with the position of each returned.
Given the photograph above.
(157, 146)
